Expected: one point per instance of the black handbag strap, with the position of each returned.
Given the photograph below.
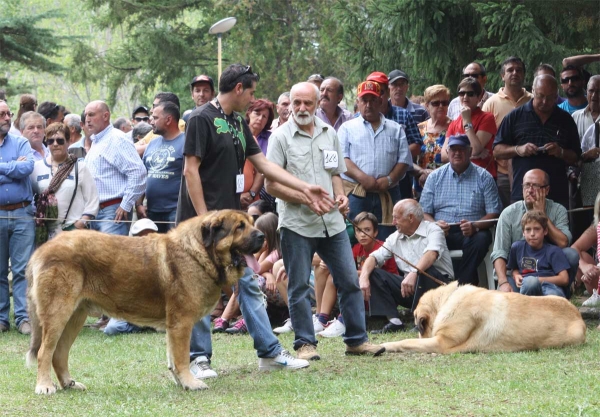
(597, 134)
(74, 191)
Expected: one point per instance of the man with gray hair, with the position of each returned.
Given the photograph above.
(123, 125)
(419, 241)
(76, 139)
(309, 149)
(283, 110)
(586, 117)
(33, 126)
(140, 131)
(540, 135)
(332, 93)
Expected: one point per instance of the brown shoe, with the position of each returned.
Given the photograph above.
(366, 348)
(25, 328)
(3, 328)
(308, 353)
(100, 324)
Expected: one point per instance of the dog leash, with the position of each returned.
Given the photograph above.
(419, 270)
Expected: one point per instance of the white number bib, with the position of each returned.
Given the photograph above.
(239, 183)
(330, 159)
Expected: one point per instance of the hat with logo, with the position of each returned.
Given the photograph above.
(396, 75)
(203, 79)
(378, 77)
(369, 87)
(459, 140)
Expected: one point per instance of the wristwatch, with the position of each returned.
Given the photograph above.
(389, 180)
(252, 193)
(468, 126)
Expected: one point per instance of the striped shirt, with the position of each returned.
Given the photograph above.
(374, 153)
(418, 112)
(116, 167)
(452, 197)
(403, 117)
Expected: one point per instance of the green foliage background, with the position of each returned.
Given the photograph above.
(74, 51)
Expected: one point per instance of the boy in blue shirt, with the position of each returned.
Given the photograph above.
(538, 267)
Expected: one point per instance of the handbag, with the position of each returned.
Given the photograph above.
(590, 173)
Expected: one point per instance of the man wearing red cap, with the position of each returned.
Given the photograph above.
(376, 154)
(402, 117)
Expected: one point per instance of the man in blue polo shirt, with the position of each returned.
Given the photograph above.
(459, 197)
(17, 231)
(540, 135)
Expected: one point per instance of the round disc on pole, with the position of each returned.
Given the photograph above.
(222, 26)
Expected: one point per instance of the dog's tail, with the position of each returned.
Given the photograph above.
(35, 340)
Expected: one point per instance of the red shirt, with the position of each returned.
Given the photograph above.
(360, 256)
(485, 122)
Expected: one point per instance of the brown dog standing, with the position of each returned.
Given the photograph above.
(472, 319)
(167, 281)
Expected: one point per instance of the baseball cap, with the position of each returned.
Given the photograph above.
(459, 140)
(141, 225)
(140, 109)
(369, 87)
(396, 75)
(378, 77)
(203, 79)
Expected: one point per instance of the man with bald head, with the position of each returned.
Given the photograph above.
(586, 117)
(309, 149)
(419, 241)
(536, 187)
(540, 135)
(332, 93)
(117, 169)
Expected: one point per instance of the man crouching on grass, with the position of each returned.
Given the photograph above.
(538, 268)
(309, 149)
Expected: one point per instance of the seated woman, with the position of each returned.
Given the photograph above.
(589, 268)
(479, 126)
(64, 187)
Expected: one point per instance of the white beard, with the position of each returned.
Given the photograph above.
(303, 118)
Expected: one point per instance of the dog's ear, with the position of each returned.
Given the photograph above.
(212, 231)
(422, 324)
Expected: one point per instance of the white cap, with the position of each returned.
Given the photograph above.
(141, 225)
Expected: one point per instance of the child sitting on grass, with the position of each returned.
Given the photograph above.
(538, 267)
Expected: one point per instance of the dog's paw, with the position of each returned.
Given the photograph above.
(75, 385)
(195, 385)
(45, 389)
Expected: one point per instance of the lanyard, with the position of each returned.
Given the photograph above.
(237, 134)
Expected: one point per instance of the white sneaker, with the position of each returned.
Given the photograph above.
(335, 328)
(286, 328)
(593, 301)
(282, 361)
(200, 368)
(317, 324)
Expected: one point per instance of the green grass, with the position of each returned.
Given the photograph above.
(127, 376)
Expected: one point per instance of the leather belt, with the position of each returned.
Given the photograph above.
(110, 203)
(11, 207)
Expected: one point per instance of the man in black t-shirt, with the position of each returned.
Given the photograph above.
(217, 143)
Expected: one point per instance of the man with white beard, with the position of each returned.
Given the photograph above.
(309, 149)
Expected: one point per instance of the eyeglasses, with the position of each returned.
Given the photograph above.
(255, 217)
(439, 103)
(248, 70)
(59, 141)
(473, 75)
(573, 78)
(141, 119)
(6, 113)
(536, 187)
(467, 93)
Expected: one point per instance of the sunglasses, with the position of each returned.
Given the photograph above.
(6, 113)
(439, 103)
(467, 93)
(573, 78)
(248, 70)
(141, 119)
(255, 217)
(472, 75)
(59, 141)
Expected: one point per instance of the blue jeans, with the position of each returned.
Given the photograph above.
(255, 315)
(531, 285)
(336, 252)
(17, 236)
(371, 203)
(116, 326)
(112, 228)
(157, 216)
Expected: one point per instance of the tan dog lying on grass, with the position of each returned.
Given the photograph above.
(167, 281)
(472, 319)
